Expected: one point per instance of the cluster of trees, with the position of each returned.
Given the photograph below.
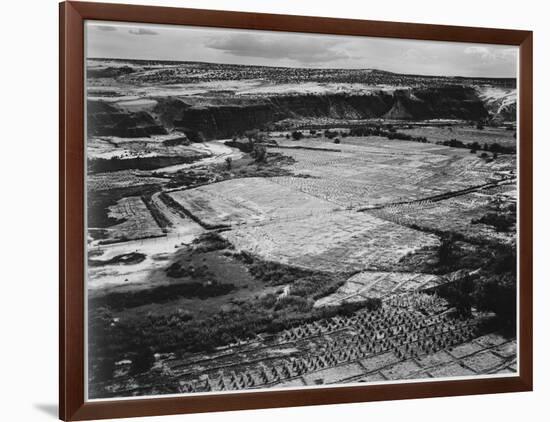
(253, 143)
(297, 135)
(389, 133)
(502, 222)
(502, 216)
(491, 287)
(494, 148)
(259, 153)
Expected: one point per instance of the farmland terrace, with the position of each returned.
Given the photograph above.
(229, 248)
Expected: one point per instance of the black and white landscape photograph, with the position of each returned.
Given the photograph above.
(270, 210)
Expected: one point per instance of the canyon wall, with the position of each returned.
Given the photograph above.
(223, 117)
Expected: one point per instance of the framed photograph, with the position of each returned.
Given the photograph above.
(266, 210)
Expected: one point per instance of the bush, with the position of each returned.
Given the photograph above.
(502, 222)
(447, 252)
(329, 134)
(297, 135)
(459, 294)
(498, 294)
(474, 147)
(228, 163)
(142, 361)
(492, 288)
(259, 153)
(336, 141)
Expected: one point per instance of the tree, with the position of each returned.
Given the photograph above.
(447, 252)
(297, 135)
(228, 163)
(459, 294)
(474, 147)
(142, 361)
(259, 153)
(497, 293)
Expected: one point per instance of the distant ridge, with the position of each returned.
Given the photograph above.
(354, 70)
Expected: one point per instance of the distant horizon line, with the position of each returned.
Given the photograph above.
(306, 68)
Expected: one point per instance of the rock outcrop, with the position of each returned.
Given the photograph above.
(105, 119)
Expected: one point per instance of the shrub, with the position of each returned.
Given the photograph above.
(142, 361)
(502, 222)
(259, 153)
(297, 135)
(459, 295)
(497, 294)
(329, 134)
(228, 163)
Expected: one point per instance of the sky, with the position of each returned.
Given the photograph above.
(268, 48)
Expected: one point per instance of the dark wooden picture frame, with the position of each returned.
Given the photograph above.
(72, 405)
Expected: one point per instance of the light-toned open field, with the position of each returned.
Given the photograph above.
(313, 221)
(374, 171)
(340, 241)
(249, 201)
(377, 284)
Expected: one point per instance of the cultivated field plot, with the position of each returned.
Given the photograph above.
(375, 171)
(248, 201)
(454, 214)
(466, 134)
(340, 241)
(138, 224)
(409, 337)
(121, 179)
(369, 284)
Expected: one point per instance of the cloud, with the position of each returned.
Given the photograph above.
(142, 31)
(298, 48)
(105, 28)
(492, 54)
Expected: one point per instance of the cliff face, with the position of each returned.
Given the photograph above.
(222, 121)
(448, 102)
(108, 120)
(230, 115)
(219, 121)
(431, 103)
